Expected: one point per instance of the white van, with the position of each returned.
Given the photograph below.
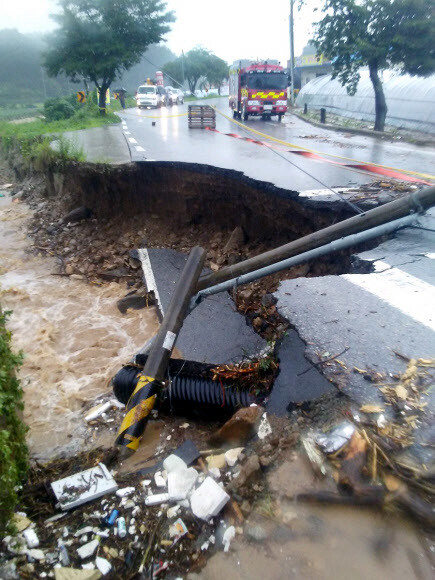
(151, 96)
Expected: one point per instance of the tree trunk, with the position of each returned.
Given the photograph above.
(380, 103)
(102, 99)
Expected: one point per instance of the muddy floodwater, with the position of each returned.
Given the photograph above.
(71, 333)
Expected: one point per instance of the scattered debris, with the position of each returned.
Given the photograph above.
(229, 534)
(264, 429)
(232, 455)
(336, 438)
(208, 499)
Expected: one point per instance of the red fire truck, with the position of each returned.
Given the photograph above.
(258, 89)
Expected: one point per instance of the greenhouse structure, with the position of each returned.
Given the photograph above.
(410, 99)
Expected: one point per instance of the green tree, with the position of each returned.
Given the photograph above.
(191, 67)
(378, 34)
(100, 39)
(217, 71)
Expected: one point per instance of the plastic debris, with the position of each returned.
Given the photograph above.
(97, 411)
(84, 486)
(157, 499)
(103, 565)
(315, 457)
(31, 538)
(336, 438)
(111, 518)
(125, 491)
(264, 429)
(177, 530)
(208, 500)
(232, 455)
(227, 537)
(87, 549)
(181, 483)
(63, 553)
(36, 554)
(122, 528)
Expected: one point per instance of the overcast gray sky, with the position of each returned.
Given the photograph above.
(232, 30)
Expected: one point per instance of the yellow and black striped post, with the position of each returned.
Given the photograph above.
(149, 383)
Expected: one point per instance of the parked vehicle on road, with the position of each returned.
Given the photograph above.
(151, 96)
(175, 96)
(258, 89)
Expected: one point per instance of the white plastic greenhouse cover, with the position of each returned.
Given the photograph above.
(410, 100)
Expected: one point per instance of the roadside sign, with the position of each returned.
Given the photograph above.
(81, 96)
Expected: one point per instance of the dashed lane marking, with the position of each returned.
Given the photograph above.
(132, 140)
(139, 148)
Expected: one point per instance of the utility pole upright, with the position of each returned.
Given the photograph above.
(292, 55)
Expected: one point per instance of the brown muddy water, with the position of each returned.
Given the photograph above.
(73, 337)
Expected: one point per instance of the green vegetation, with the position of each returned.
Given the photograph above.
(13, 449)
(378, 34)
(196, 64)
(99, 39)
(63, 114)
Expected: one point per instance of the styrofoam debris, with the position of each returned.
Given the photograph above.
(116, 403)
(146, 483)
(208, 500)
(36, 554)
(103, 565)
(181, 483)
(84, 486)
(173, 462)
(159, 480)
(215, 472)
(97, 411)
(156, 499)
(227, 537)
(86, 530)
(87, 549)
(264, 429)
(232, 455)
(88, 566)
(31, 538)
(125, 491)
(173, 511)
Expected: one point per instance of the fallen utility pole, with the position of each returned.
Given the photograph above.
(413, 203)
(335, 246)
(143, 398)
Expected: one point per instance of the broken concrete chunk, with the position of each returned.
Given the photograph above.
(232, 455)
(181, 483)
(84, 486)
(208, 500)
(88, 549)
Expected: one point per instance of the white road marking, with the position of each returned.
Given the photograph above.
(132, 140)
(409, 294)
(127, 133)
(139, 148)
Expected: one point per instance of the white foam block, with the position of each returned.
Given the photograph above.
(84, 486)
(208, 500)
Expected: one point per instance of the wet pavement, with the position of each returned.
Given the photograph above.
(369, 316)
(163, 135)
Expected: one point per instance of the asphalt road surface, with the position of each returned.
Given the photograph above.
(163, 135)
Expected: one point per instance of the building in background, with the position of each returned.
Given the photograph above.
(308, 66)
